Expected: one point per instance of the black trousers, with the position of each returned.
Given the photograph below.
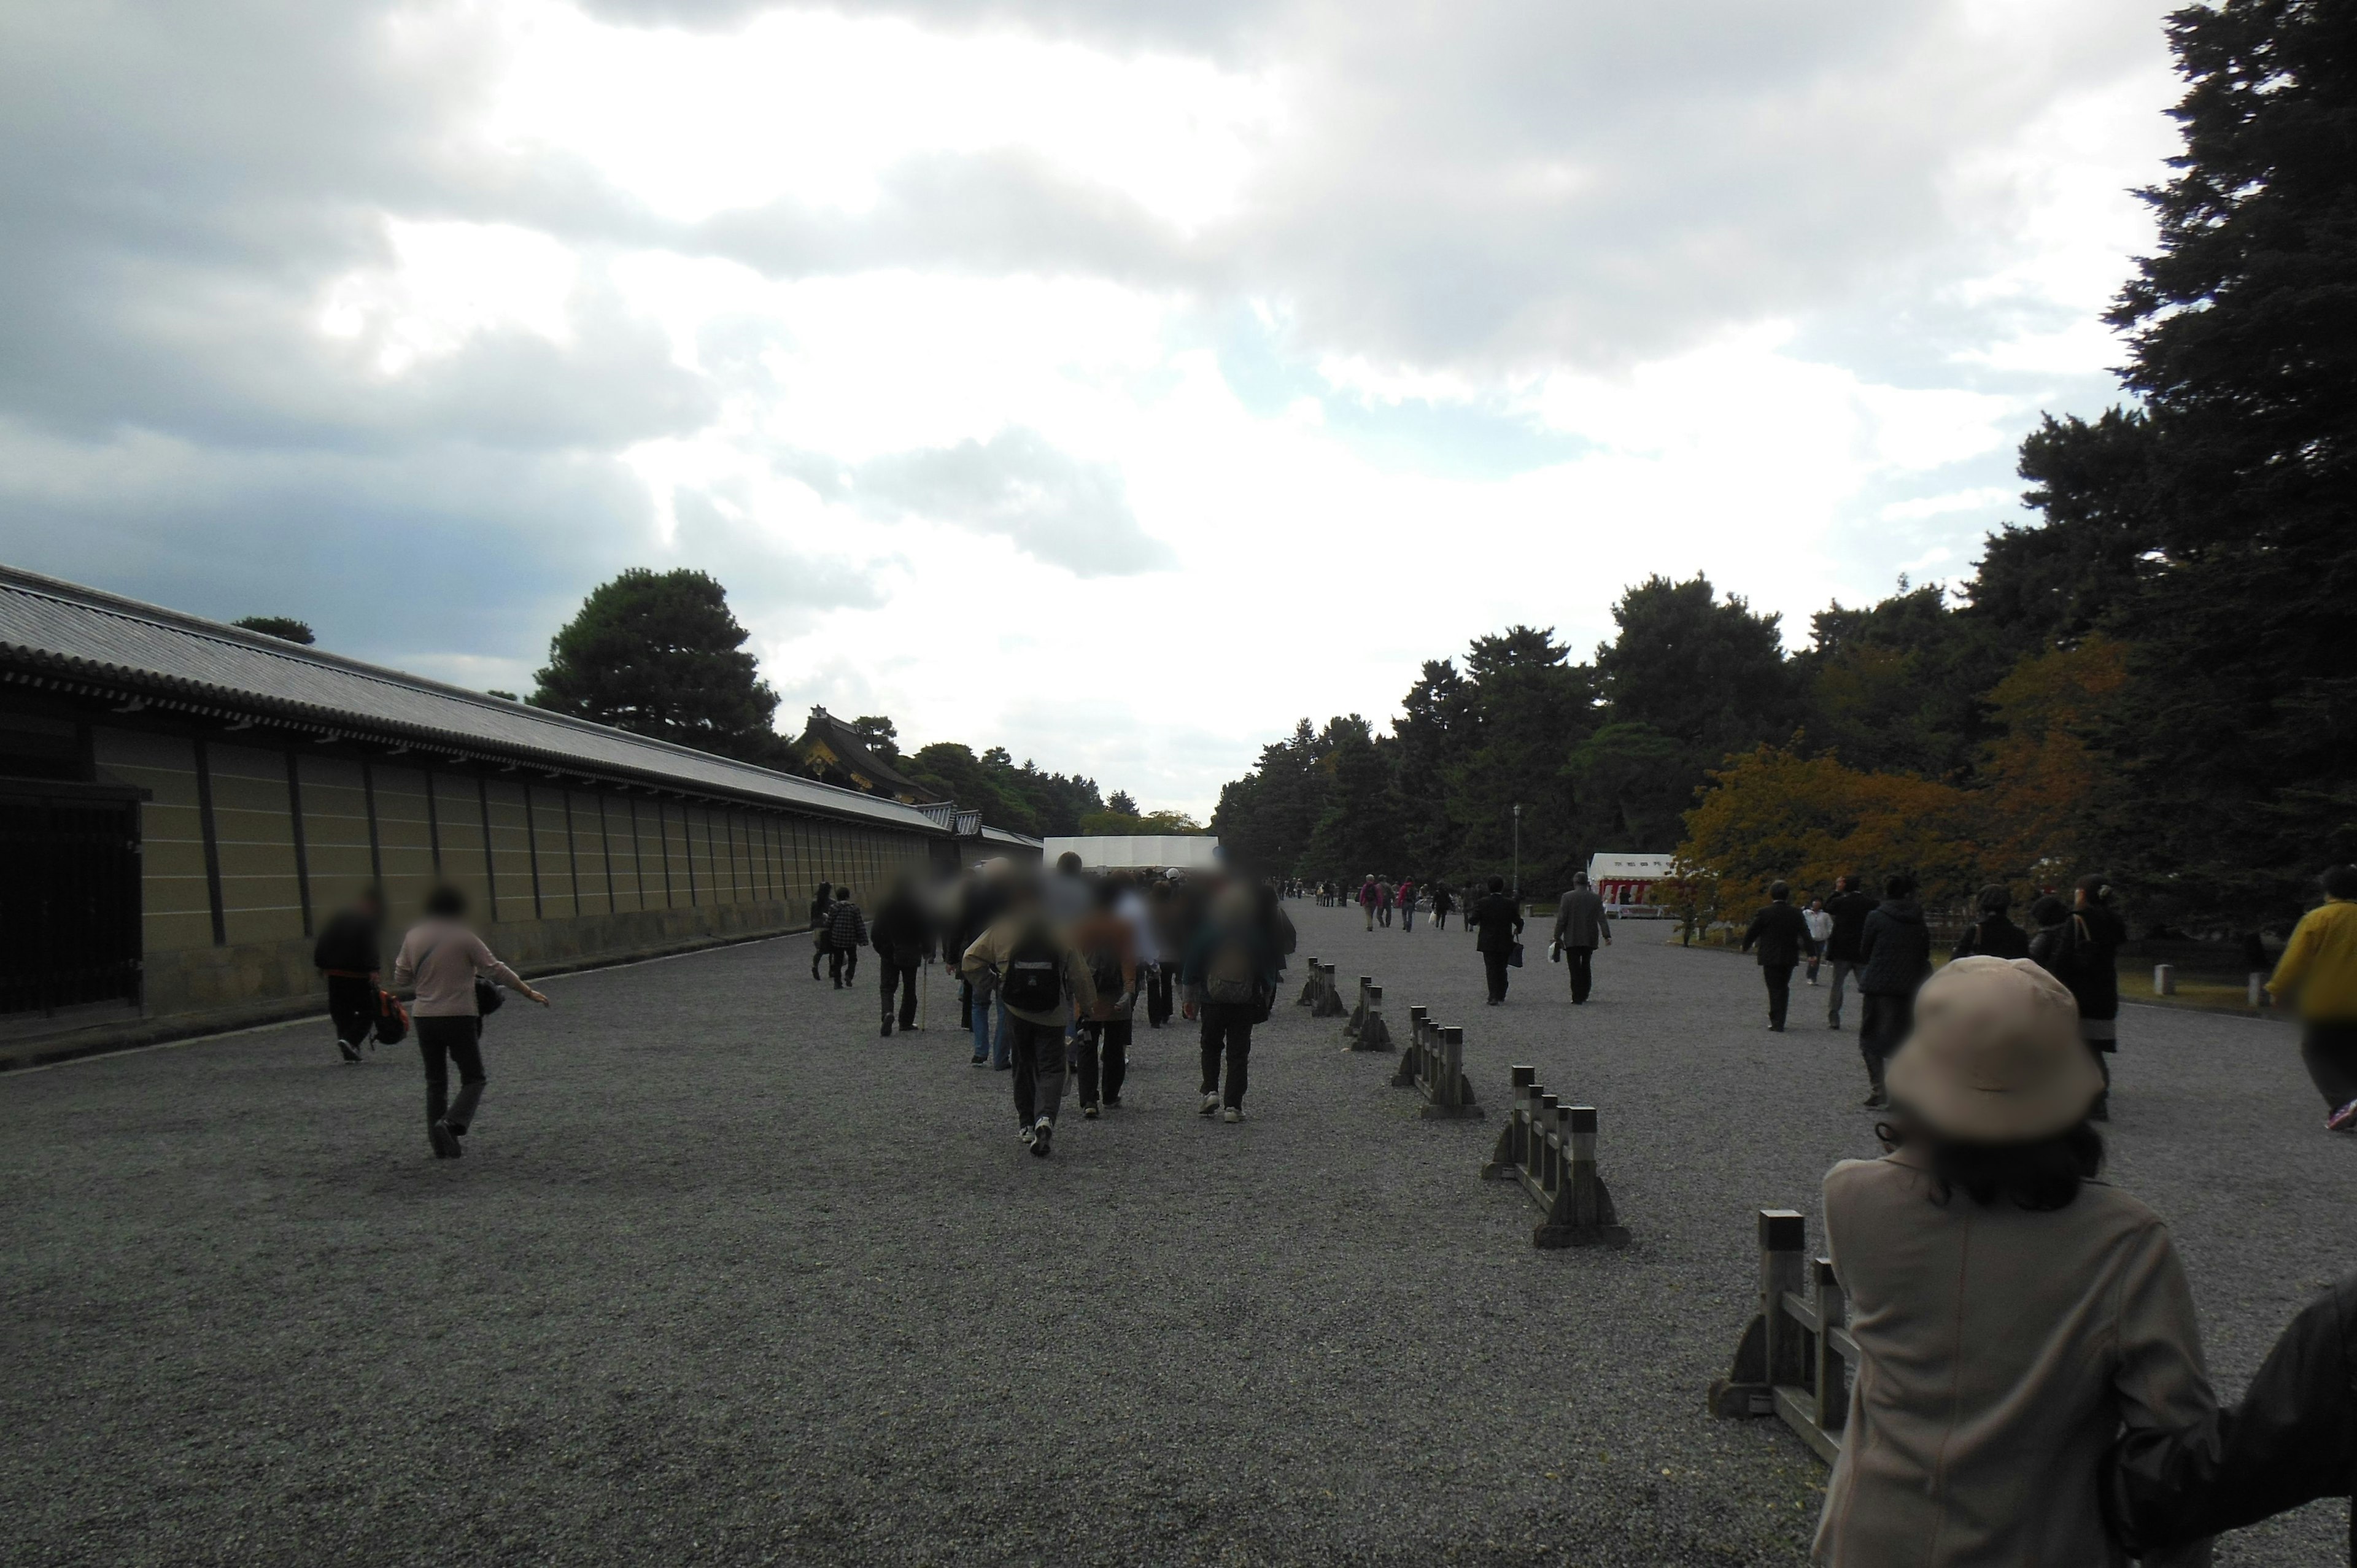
(1494, 965)
(351, 1007)
(2329, 1052)
(965, 1006)
(1038, 1051)
(1160, 981)
(1103, 1048)
(841, 964)
(1227, 1035)
(1778, 977)
(1581, 962)
(890, 975)
(442, 1041)
(1882, 1025)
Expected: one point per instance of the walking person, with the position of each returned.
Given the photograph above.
(1107, 943)
(1367, 900)
(846, 932)
(2012, 1314)
(2320, 966)
(351, 953)
(2089, 957)
(1497, 924)
(1163, 914)
(1441, 904)
(1849, 908)
(1581, 922)
(1894, 954)
(1407, 905)
(1231, 975)
(1780, 931)
(1993, 935)
(821, 903)
(443, 961)
(1132, 906)
(902, 937)
(1039, 979)
(1821, 929)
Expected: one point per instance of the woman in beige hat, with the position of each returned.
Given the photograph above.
(2012, 1313)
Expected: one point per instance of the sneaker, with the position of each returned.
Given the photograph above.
(2343, 1120)
(1232, 1115)
(1113, 1101)
(1023, 1135)
(1043, 1133)
(1088, 1112)
(888, 1028)
(1210, 1106)
(1832, 1023)
(351, 1052)
(446, 1143)
(981, 1061)
(1874, 1100)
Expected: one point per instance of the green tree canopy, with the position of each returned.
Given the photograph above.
(285, 627)
(658, 654)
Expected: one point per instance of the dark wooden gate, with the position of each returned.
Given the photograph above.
(68, 902)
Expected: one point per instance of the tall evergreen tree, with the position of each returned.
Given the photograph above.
(658, 654)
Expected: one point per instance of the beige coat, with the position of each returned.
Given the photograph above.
(2000, 1352)
(995, 945)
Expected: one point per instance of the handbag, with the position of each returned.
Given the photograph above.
(392, 1019)
(489, 998)
(1514, 956)
(1554, 952)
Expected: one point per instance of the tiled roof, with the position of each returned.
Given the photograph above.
(855, 756)
(82, 636)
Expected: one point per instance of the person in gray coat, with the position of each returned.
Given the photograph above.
(1580, 924)
(1894, 954)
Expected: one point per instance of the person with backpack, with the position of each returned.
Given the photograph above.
(1367, 900)
(1231, 975)
(1408, 904)
(821, 902)
(2320, 965)
(846, 931)
(1580, 923)
(448, 966)
(1993, 935)
(1849, 908)
(903, 940)
(1780, 932)
(351, 952)
(1497, 924)
(1039, 978)
(1386, 895)
(1894, 954)
(1107, 943)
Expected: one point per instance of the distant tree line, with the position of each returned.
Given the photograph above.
(2157, 679)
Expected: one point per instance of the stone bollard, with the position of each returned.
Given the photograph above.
(2164, 980)
(1309, 989)
(1373, 1036)
(1358, 1018)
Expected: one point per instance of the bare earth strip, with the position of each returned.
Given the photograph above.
(726, 1278)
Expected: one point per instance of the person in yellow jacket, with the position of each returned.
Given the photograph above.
(2320, 963)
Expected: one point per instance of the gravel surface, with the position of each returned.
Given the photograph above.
(723, 1277)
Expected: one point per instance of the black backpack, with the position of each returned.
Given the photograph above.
(1031, 980)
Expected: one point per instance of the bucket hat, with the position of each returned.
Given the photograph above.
(1996, 1055)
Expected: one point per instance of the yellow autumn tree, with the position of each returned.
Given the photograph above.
(1775, 813)
(2042, 773)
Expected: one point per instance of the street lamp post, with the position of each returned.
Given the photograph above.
(1518, 853)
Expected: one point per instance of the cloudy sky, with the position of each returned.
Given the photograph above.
(1114, 379)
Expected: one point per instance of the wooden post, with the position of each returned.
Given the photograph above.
(1784, 1252)
(1513, 1138)
(1831, 1374)
(1372, 1035)
(2164, 980)
(1749, 1387)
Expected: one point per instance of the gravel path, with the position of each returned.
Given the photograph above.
(726, 1278)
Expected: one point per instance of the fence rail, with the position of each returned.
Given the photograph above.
(1796, 1357)
(1319, 993)
(1550, 1148)
(1433, 1063)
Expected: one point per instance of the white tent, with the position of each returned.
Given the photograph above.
(1113, 852)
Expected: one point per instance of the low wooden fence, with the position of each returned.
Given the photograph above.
(1320, 993)
(1796, 1356)
(1550, 1148)
(1433, 1063)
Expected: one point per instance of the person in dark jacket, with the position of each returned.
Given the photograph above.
(1229, 975)
(1442, 902)
(1780, 934)
(1849, 908)
(1497, 923)
(349, 952)
(2089, 955)
(1993, 935)
(821, 902)
(903, 939)
(1894, 955)
(847, 933)
(1580, 924)
(2291, 1440)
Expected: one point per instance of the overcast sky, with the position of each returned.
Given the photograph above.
(1111, 380)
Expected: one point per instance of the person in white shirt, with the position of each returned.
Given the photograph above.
(1821, 927)
(441, 958)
